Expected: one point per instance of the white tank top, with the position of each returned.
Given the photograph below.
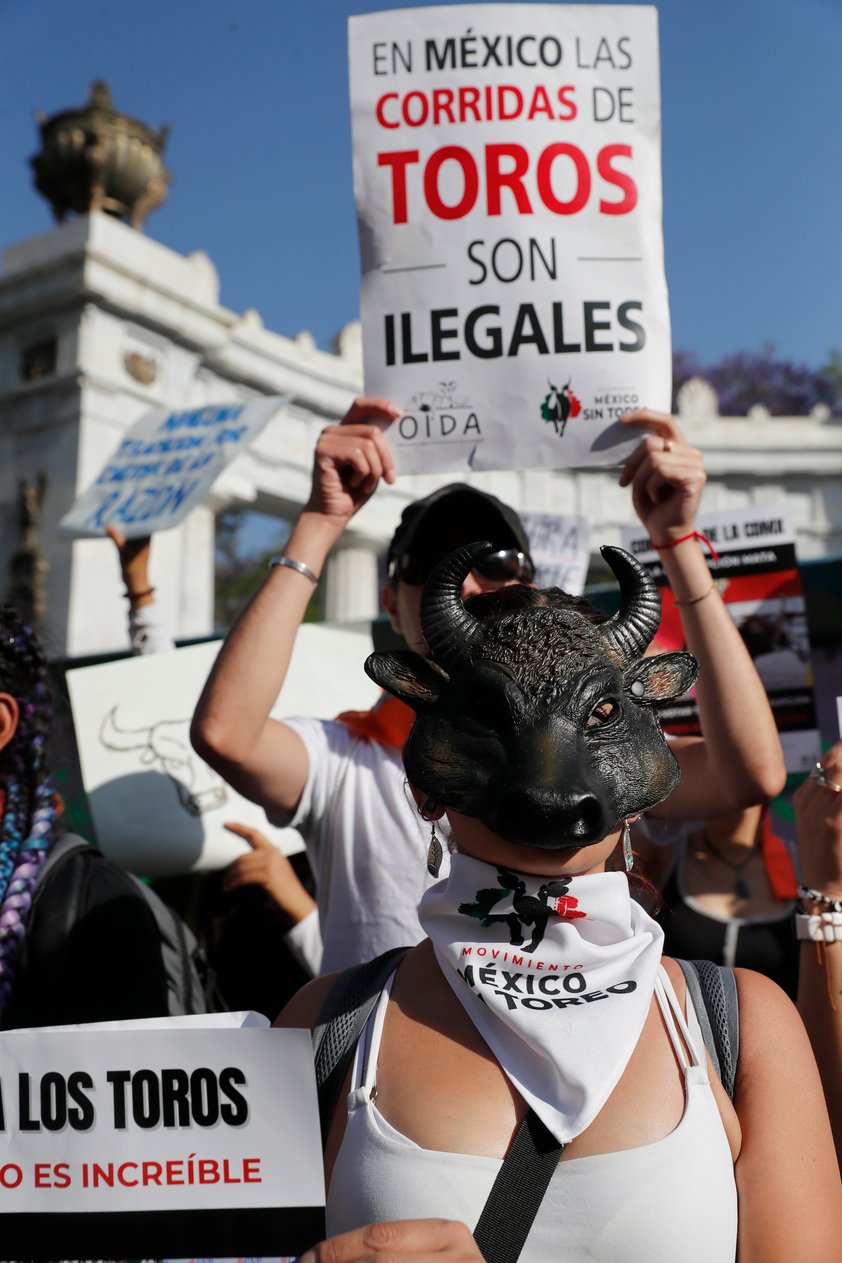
(674, 1199)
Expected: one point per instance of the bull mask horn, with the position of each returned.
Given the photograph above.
(449, 630)
(630, 630)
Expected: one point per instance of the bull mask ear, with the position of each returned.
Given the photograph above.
(449, 630)
(660, 679)
(408, 676)
(631, 629)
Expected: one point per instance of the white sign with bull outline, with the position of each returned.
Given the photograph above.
(157, 808)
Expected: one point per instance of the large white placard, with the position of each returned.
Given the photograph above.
(507, 175)
(156, 806)
(158, 1141)
(165, 465)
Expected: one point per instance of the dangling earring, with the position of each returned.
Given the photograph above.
(627, 847)
(434, 852)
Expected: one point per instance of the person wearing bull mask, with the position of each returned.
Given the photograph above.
(539, 1005)
(341, 784)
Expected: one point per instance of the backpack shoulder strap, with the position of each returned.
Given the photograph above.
(340, 1024)
(517, 1192)
(713, 990)
(65, 845)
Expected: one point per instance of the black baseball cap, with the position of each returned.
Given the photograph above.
(457, 514)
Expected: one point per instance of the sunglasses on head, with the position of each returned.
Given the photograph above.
(506, 565)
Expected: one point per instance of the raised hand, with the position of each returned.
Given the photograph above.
(351, 458)
(666, 475)
(818, 814)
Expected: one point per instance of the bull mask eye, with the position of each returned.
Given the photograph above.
(605, 712)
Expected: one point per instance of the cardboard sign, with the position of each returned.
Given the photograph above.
(131, 1143)
(157, 807)
(757, 576)
(560, 546)
(507, 175)
(165, 465)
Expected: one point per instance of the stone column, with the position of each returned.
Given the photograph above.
(351, 582)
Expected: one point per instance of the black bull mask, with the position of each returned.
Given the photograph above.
(538, 722)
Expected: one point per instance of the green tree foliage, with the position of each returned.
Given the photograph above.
(240, 569)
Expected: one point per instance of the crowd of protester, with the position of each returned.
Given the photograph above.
(80, 942)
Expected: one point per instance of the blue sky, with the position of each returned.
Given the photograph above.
(256, 94)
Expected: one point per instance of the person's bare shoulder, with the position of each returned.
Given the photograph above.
(305, 1006)
(787, 1176)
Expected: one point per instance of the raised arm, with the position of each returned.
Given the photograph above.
(738, 760)
(260, 757)
(148, 630)
(818, 813)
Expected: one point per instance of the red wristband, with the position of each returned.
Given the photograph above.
(662, 548)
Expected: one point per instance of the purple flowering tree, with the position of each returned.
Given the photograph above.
(745, 378)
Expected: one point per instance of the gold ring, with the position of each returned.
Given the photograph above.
(819, 774)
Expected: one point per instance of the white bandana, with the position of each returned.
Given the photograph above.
(557, 975)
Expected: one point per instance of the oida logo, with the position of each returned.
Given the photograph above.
(559, 405)
(441, 415)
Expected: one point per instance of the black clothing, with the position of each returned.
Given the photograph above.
(92, 950)
(768, 946)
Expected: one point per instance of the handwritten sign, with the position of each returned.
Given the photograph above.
(129, 1143)
(508, 186)
(559, 544)
(165, 466)
(758, 578)
(156, 806)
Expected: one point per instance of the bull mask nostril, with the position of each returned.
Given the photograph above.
(588, 821)
(544, 820)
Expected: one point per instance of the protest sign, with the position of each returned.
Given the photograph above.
(156, 806)
(757, 576)
(143, 1143)
(508, 186)
(164, 466)
(559, 544)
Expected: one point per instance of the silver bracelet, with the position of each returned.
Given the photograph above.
(294, 565)
(825, 927)
(808, 895)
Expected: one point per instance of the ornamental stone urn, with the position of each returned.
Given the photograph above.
(95, 158)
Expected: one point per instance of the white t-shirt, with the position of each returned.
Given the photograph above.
(365, 840)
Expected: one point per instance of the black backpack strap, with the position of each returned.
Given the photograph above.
(517, 1192)
(65, 845)
(341, 1022)
(713, 990)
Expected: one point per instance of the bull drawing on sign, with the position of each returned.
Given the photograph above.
(559, 405)
(535, 910)
(448, 398)
(164, 747)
